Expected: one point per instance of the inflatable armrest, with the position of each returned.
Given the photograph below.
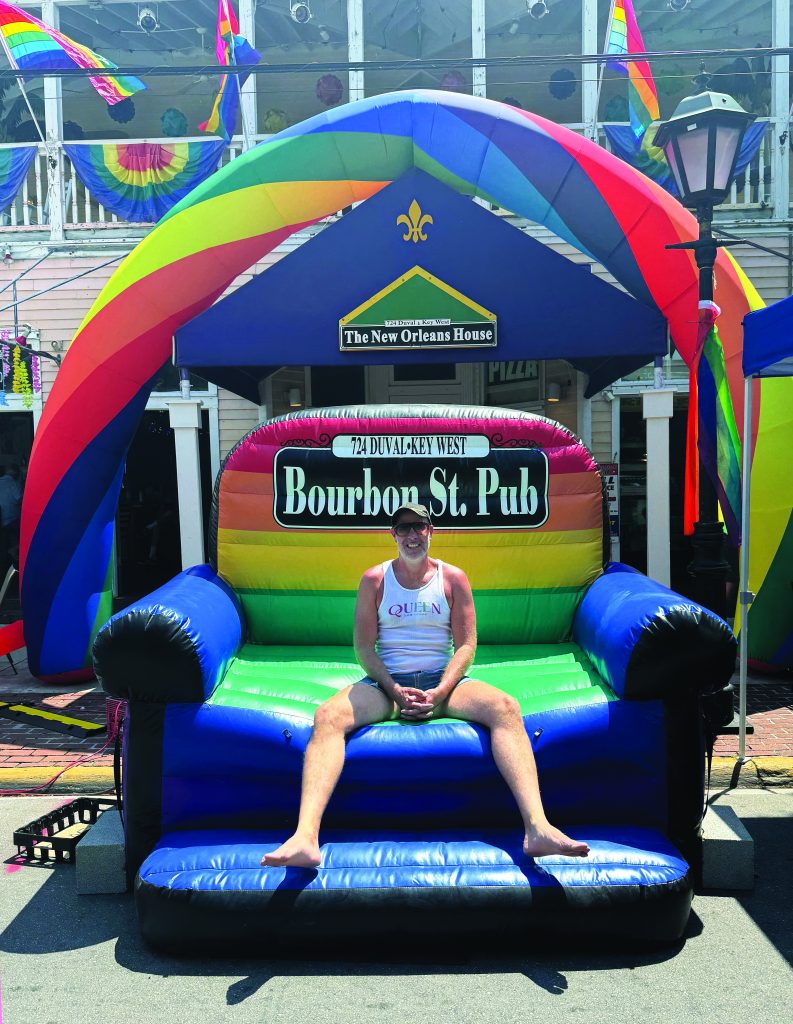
(647, 641)
(174, 645)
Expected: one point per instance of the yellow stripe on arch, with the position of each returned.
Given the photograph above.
(232, 217)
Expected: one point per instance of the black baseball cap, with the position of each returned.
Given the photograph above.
(420, 510)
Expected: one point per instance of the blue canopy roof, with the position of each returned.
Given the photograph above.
(546, 306)
(768, 341)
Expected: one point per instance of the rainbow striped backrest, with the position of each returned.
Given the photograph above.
(303, 507)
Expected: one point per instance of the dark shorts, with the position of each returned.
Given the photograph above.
(418, 680)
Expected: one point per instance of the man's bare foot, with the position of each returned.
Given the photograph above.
(296, 852)
(545, 840)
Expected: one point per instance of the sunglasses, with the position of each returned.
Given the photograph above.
(403, 529)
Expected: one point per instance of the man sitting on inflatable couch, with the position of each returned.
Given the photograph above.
(415, 636)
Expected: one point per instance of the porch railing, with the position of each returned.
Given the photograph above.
(30, 209)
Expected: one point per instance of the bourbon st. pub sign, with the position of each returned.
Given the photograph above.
(357, 481)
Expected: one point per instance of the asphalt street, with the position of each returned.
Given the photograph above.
(65, 958)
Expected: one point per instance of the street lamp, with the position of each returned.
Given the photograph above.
(701, 142)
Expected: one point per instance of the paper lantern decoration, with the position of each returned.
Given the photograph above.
(173, 123)
(329, 90)
(562, 84)
(453, 81)
(616, 109)
(122, 112)
(274, 121)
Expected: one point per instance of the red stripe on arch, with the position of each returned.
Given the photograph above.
(88, 394)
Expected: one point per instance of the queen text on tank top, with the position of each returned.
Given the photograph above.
(414, 626)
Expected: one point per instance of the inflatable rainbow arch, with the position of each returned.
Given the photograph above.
(508, 157)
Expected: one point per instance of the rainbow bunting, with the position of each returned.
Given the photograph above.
(624, 37)
(31, 45)
(140, 182)
(14, 164)
(712, 431)
(231, 48)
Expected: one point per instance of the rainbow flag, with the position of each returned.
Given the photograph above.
(231, 48)
(31, 45)
(624, 37)
(712, 431)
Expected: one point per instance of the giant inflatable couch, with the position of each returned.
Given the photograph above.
(224, 666)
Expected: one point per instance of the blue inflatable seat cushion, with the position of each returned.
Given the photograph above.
(293, 681)
(194, 882)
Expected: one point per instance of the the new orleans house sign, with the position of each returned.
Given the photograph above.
(417, 311)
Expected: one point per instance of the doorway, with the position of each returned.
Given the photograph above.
(16, 441)
(148, 552)
(452, 383)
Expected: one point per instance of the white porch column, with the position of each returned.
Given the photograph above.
(248, 113)
(355, 47)
(53, 132)
(590, 73)
(780, 100)
(479, 84)
(657, 409)
(185, 415)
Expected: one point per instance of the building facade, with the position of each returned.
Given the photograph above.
(60, 245)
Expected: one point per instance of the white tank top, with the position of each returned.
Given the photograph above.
(414, 626)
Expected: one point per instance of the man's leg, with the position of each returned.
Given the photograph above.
(349, 709)
(475, 701)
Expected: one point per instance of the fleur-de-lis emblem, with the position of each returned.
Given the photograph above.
(414, 221)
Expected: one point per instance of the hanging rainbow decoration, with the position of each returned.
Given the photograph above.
(230, 48)
(509, 157)
(14, 164)
(33, 46)
(712, 434)
(142, 181)
(624, 37)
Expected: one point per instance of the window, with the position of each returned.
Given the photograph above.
(406, 30)
(551, 90)
(170, 105)
(285, 99)
(705, 24)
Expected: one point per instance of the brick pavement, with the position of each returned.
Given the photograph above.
(769, 707)
(28, 752)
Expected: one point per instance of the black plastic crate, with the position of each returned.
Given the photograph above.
(39, 840)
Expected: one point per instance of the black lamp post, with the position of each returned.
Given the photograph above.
(702, 141)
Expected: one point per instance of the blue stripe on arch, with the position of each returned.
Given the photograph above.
(441, 136)
(64, 546)
(560, 180)
(67, 636)
(534, 177)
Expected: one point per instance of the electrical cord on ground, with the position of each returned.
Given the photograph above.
(112, 738)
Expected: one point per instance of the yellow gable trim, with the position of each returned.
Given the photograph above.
(431, 279)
